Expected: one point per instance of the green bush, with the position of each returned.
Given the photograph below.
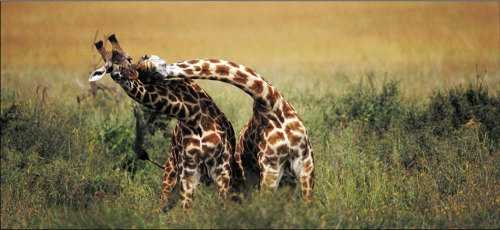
(376, 108)
(380, 116)
(381, 161)
(469, 105)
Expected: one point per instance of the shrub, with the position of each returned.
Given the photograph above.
(383, 121)
(465, 106)
(377, 108)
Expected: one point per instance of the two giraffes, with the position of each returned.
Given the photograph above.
(273, 143)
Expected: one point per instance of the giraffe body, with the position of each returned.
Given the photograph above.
(275, 139)
(203, 140)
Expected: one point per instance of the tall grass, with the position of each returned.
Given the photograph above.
(381, 161)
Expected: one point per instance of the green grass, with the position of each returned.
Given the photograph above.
(382, 160)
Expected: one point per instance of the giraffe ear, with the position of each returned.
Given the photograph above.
(98, 74)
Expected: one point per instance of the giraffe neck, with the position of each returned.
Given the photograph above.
(183, 106)
(266, 97)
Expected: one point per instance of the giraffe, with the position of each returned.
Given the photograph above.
(275, 139)
(203, 140)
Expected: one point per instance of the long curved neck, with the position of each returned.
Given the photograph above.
(134, 89)
(162, 99)
(264, 94)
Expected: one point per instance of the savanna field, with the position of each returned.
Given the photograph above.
(401, 102)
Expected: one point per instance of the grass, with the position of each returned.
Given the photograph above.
(405, 134)
(377, 165)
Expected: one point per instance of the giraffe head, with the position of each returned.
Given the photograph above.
(117, 63)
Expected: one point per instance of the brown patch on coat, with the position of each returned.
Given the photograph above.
(205, 149)
(271, 160)
(295, 126)
(193, 61)
(175, 108)
(153, 97)
(272, 94)
(192, 164)
(206, 123)
(197, 68)
(294, 153)
(161, 90)
(308, 166)
(288, 110)
(190, 141)
(169, 166)
(275, 137)
(214, 60)
(250, 71)
(262, 146)
(274, 121)
(233, 64)
(294, 140)
(257, 86)
(303, 182)
(225, 181)
(222, 70)
(240, 77)
(194, 109)
(205, 69)
(282, 149)
(279, 114)
(182, 65)
(213, 138)
(188, 71)
(269, 152)
(172, 98)
(133, 91)
(171, 178)
(306, 152)
(237, 157)
(269, 128)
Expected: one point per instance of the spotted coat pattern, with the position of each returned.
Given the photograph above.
(275, 139)
(203, 139)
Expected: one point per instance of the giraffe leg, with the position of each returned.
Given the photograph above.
(169, 183)
(238, 174)
(169, 194)
(303, 168)
(222, 175)
(238, 153)
(189, 178)
(271, 173)
(237, 168)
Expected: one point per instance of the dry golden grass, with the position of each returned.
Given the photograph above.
(423, 44)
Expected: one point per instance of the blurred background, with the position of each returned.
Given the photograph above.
(424, 44)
